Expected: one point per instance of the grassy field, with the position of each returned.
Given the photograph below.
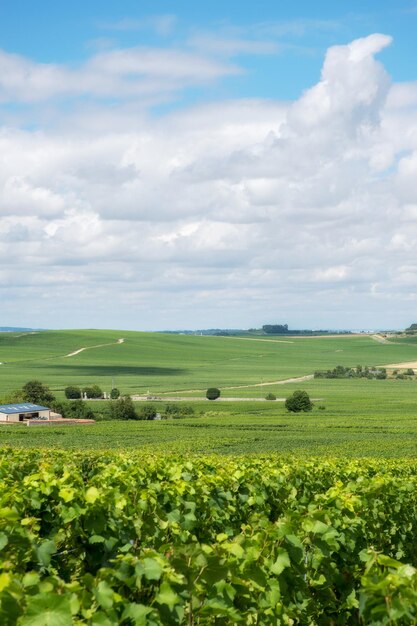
(178, 363)
(362, 418)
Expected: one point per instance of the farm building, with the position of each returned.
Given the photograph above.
(23, 411)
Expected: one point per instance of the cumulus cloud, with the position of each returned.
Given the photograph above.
(227, 213)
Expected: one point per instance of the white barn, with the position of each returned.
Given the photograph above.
(23, 411)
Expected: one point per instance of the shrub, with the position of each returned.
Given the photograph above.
(114, 393)
(212, 393)
(299, 401)
(72, 393)
(147, 412)
(409, 372)
(270, 396)
(178, 410)
(93, 392)
(77, 409)
(123, 409)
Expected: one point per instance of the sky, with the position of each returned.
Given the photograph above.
(186, 165)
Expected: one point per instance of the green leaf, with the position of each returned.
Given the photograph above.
(96, 539)
(137, 613)
(104, 595)
(91, 495)
(45, 551)
(3, 540)
(47, 609)
(152, 569)
(167, 596)
(283, 561)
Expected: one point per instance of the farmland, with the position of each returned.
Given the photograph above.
(175, 363)
(243, 513)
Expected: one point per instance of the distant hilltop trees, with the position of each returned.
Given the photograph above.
(275, 329)
(412, 327)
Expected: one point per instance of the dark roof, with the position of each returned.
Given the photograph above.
(26, 407)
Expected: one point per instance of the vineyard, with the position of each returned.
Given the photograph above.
(111, 538)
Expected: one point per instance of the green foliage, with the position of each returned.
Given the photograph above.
(270, 396)
(13, 396)
(115, 393)
(212, 393)
(147, 412)
(36, 392)
(72, 392)
(77, 409)
(164, 540)
(340, 371)
(93, 391)
(298, 401)
(123, 409)
(178, 410)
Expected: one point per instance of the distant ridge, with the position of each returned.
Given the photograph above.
(18, 329)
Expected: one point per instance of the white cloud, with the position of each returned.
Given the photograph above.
(219, 214)
(120, 73)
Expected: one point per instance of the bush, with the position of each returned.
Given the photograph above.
(72, 393)
(270, 396)
(299, 401)
(147, 412)
(212, 393)
(178, 410)
(123, 409)
(409, 372)
(114, 393)
(93, 392)
(76, 409)
(36, 392)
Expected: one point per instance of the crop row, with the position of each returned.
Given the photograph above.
(108, 539)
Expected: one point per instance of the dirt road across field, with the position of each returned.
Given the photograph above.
(165, 394)
(101, 345)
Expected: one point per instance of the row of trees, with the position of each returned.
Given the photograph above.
(91, 392)
(359, 371)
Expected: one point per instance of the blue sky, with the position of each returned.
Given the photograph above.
(52, 31)
(219, 164)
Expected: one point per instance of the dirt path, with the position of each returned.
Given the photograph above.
(405, 365)
(101, 345)
(286, 381)
(380, 339)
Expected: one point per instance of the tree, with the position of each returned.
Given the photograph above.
(212, 393)
(114, 393)
(36, 392)
(299, 401)
(123, 409)
(270, 396)
(72, 393)
(93, 392)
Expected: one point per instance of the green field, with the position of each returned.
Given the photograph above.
(361, 417)
(179, 363)
(243, 514)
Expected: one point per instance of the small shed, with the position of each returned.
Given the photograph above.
(23, 411)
